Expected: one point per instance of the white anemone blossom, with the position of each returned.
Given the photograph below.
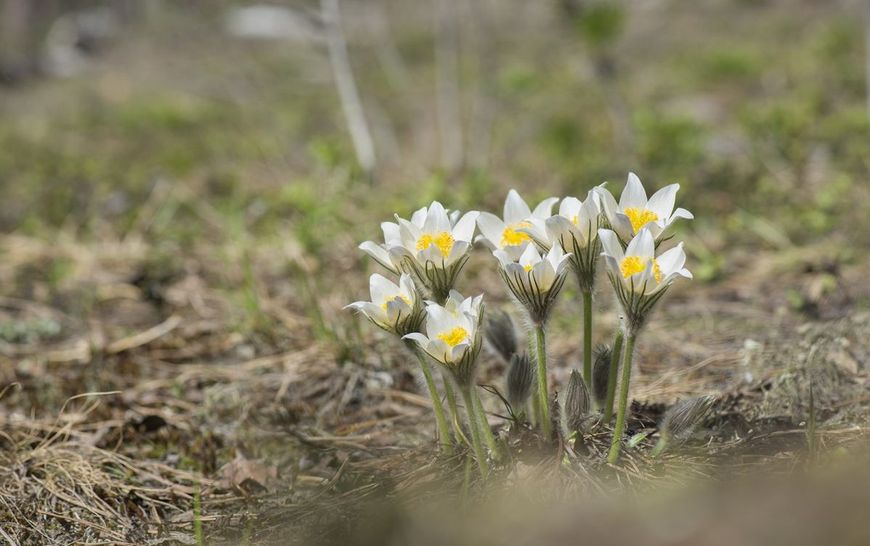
(640, 277)
(453, 335)
(535, 279)
(395, 308)
(575, 228)
(506, 233)
(434, 245)
(635, 212)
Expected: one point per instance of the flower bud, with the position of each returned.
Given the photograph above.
(680, 421)
(520, 380)
(501, 334)
(577, 402)
(601, 373)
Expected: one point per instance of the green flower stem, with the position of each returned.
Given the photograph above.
(612, 374)
(587, 337)
(488, 437)
(474, 426)
(443, 430)
(534, 400)
(451, 403)
(543, 396)
(616, 443)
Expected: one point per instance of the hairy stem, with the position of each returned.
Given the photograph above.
(443, 430)
(543, 396)
(612, 374)
(587, 337)
(616, 444)
(488, 437)
(451, 403)
(473, 425)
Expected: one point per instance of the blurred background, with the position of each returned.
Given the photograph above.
(184, 185)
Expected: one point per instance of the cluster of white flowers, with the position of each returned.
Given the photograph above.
(534, 249)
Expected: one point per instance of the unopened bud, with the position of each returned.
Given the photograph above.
(577, 402)
(501, 335)
(601, 373)
(680, 421)
(520, 380)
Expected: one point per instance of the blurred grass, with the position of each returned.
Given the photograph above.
(763, 125)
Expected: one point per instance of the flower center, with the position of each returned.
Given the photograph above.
(443, 240)
(632, 265)
(511, 237)
(640, 217)
(454, 337)
(394, 298)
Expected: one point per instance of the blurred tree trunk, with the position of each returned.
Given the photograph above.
(347, 89)
(447, 86)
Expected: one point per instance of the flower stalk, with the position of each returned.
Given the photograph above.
(543, 396)
(612, 375)
(486, 430)
(445, 438)
(587, 336)
(474, 426)
(616, 443)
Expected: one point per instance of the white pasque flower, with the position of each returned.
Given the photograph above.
(452, 335)
(438, 238)
(635, 212)
(395, 308)
(575, 225)
(535, 279)
(638, 276)
(506, 233)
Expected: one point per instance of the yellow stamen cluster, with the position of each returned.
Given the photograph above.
(444, 242)
(640, 217)
(511, 237)
(454, 337)
(632, 265)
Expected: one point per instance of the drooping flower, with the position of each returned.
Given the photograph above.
(639, 277)
(395, 308)
(535, 279)
(635, 212)
(507, 233)
(434, 246)
(453, 335)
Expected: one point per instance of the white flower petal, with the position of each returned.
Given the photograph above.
(464, 228)
(545, 207)
(662, 202)
(379, 254)
(515, 208)
(633, 195)
(391, 233)
(436, 219)
(681, 213)
(492, 228)
(643, 245)
(381, 288)
(610, 244)
(672, 260)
